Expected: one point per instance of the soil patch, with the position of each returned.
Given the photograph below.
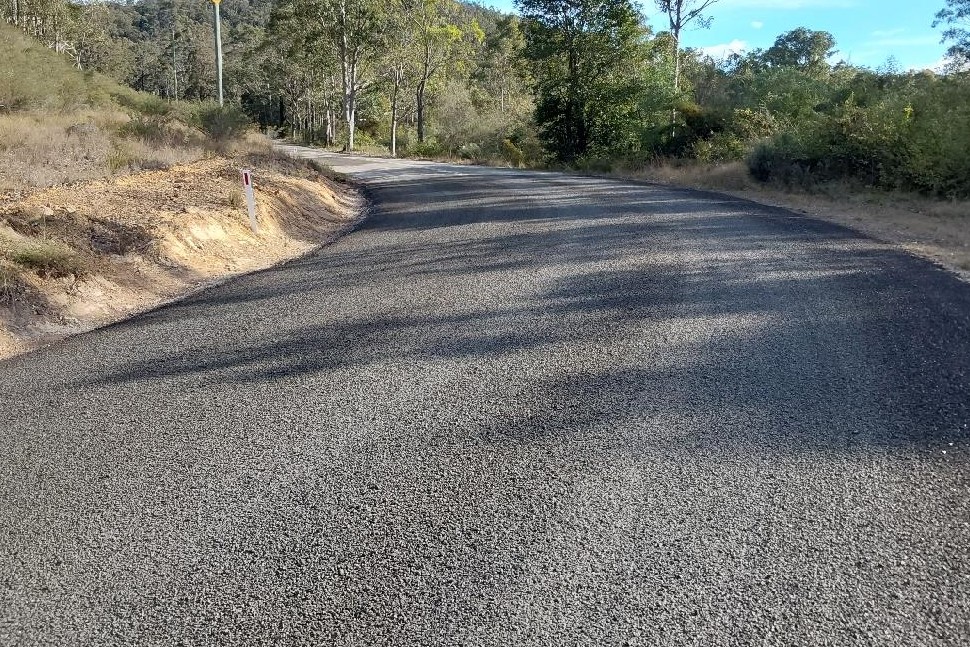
(76, 257)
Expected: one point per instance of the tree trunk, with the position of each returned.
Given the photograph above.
(677, 63)
(420, 109)
(350, 114)
(394, 133)
(673, 109)
(349, 78)
(394, 93)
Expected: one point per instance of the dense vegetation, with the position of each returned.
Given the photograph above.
(582, 82)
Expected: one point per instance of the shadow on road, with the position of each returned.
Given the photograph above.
(741, 312)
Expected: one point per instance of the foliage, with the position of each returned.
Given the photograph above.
(956, 17)
(221, 123)
(576, 81)
(801, 49)
(585, 58)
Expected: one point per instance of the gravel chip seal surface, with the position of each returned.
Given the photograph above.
(512, 408)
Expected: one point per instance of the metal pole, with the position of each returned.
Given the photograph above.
(215, 3)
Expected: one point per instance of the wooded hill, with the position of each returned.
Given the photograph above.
(582, 82)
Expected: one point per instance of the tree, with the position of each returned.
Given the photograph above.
(585, 57)
(349, 32)
(956, 16)
(441, 39)
(398, 62)
(500, 70)
(802, 48)
(680, 13)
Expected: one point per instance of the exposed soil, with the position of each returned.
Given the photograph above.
(144, 239)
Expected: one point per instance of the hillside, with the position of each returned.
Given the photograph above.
(58, 124)
(112, 201)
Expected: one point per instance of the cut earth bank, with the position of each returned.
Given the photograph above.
(76, 257)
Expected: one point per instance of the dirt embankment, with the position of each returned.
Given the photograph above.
(73, 258)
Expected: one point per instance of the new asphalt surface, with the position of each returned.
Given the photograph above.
(511, 408)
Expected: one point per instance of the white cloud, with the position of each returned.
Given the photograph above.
(945, 64)
(724, 50)
(757, 24)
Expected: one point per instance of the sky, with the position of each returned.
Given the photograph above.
(867, 32)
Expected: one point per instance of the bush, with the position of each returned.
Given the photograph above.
(221, 124)
(49, 260)
(470, 151)
(149, 129)
(429, 148)
(512, 153)
(722, 147)
(782, 161)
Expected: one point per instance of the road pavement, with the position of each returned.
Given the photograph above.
(510, 408)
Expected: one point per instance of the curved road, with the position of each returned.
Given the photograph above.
(511, 408)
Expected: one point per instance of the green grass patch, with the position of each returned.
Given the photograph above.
(49, 259)
(33, 77)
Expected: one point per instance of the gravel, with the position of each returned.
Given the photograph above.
(511, 408)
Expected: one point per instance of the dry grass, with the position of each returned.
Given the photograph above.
(9, 280)
(235, 199)
(33, 77)
(38, 150)
(721, 177)
(139, 155)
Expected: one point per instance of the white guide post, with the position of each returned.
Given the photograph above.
(247, 178)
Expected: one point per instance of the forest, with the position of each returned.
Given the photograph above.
(578, 83)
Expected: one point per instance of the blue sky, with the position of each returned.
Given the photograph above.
(867, 32)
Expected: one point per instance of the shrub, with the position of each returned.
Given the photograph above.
(49, 259)
(785, 161)
(429, 148)
(221, 124)
(150, 129)
(9, 284)
(722, 147)
(512, 153)
(235, 199)
(118, 160)
(470, 151)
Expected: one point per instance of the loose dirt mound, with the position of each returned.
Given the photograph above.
(73, 258)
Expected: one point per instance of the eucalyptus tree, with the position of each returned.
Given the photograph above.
(585, 58)
(956, 16)
(801, 48)
(681, 13)
(399, 64)
(442, 37)
(348, 30)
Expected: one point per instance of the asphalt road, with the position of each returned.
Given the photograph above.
(511, 408)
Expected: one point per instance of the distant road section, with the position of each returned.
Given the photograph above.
(511, 408)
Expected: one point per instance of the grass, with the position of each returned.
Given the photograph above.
(59, 125)
(49, 259)
(40, 149)
(235, 199)
(9, 281)
(33, 77)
